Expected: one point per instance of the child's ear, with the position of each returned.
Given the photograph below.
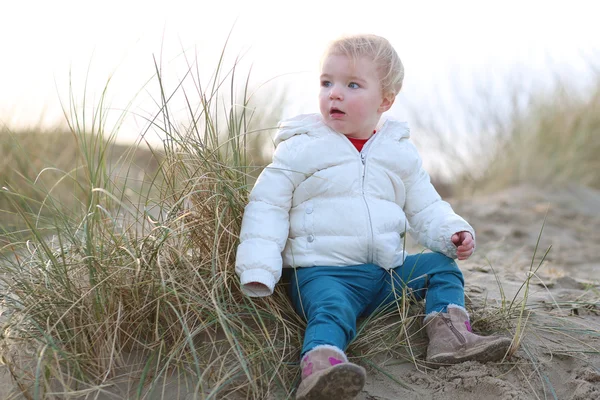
(386, 102)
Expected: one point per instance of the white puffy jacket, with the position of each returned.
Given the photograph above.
(321, 202)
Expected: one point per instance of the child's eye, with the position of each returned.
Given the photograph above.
(353, 85)
(325, 83)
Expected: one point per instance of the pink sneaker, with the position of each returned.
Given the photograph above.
(327, 375)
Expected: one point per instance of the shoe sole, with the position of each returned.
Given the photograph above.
(343, 381)
(494, 351)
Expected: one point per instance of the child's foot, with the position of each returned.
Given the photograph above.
(327, 375)
(451, 340)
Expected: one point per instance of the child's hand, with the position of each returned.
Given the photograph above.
(465, 244)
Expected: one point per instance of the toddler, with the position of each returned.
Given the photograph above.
(332, 210)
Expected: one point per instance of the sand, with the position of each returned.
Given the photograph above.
(559, 356)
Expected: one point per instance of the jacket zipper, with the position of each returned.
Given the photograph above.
(363, 160)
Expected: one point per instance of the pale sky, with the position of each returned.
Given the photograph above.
(442, 44)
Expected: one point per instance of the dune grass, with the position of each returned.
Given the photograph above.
(42, 175)
(543, 135)
(102, 265)
(116, 280)
(24, 155)
(554, 141)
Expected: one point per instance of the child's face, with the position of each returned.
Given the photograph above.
(351, 100)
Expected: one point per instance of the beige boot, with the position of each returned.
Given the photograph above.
(451, 340)
(327, 375)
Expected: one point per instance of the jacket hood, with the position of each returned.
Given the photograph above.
(305, 123)
(297, 126)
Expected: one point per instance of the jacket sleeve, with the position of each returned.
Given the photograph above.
(432, 220)
(265, 224)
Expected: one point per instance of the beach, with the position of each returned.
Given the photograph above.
(556, 332)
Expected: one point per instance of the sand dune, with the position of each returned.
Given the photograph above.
(559, 356)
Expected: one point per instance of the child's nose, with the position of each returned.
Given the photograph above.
(335, 93)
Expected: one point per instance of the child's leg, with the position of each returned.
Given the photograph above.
(331, 298)
(430, 276)
(436, 278)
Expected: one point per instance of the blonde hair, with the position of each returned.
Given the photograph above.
(376, 48)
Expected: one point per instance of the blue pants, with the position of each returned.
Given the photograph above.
(332, 298)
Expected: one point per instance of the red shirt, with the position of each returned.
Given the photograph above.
(358, 143)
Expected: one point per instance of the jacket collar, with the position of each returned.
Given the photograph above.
(314, 124)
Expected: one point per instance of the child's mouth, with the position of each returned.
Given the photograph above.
(336, 112)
